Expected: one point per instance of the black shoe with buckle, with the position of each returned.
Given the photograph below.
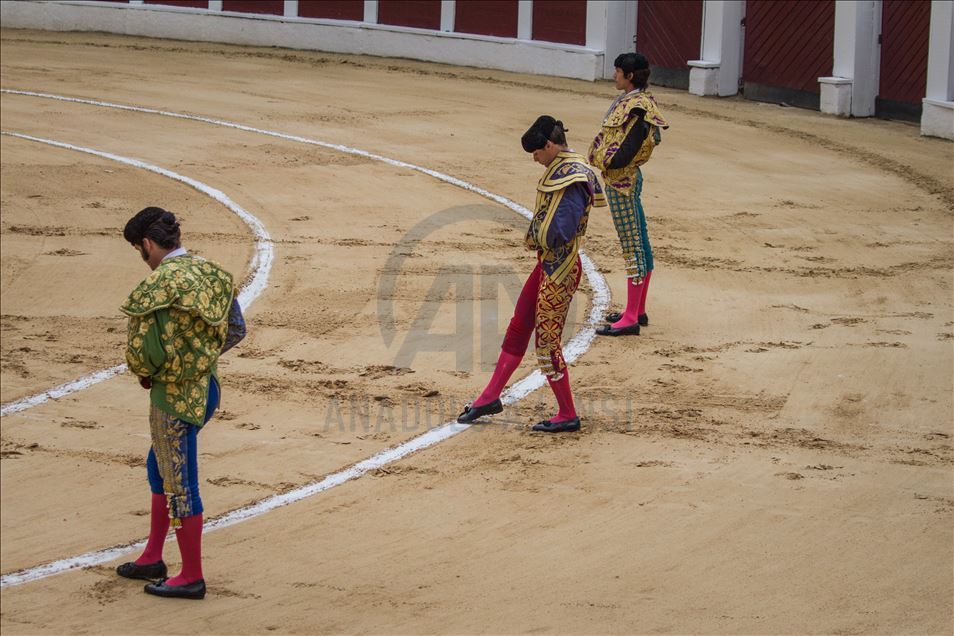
(610, 330)
(568, 426)
(148, 572)
(471, 413)
(194, 590)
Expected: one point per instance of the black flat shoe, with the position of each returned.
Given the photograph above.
(569, 426)
(615, 317)
(471, 413)
(149, 572)
(194, 591)
(609, 330)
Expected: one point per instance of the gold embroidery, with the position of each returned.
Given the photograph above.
(190, 299)
(626, 221)
(568, 168)
(167, 432)
(553, 303)
(616, 126)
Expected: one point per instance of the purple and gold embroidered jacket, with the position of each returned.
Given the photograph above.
(565, 193)
(634, 115)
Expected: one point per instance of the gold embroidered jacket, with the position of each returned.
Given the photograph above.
(617, 124)
(178, 321)
(567, 168)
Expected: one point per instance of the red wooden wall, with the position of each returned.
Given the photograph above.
(270, 7)
(423, 14)
(560, 21)
(198, 4)
(905, 27)
(333, 9)
(788, 43)
(487, 17)
(669, 32)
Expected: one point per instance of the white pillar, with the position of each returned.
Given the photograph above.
(720, 68)
(215, 5)
(596, 12)
(525, 20)
(448, 13)
(620, 25)
(371, 11)
(291, 8)
(852, 87)
(937, 113)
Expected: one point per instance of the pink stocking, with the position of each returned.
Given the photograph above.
(642, 297)
(158, 529)
(564, 396)
(631, 314)
(507, 363)
(189, 537)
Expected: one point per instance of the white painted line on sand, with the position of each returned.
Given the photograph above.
(261, 265)
(516, 207)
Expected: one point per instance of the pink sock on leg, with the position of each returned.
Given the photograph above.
(507, 363)
(515, 342)
(631, 314)
(158, 529)
(564, 396)
(642, 296)
(189, 537)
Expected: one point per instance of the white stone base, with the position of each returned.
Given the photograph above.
(937, 118)
(200, 25)
(703, 77)
(835, 96)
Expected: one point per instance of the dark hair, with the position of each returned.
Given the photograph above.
(544, 129)
(156, 224)
(637, 64)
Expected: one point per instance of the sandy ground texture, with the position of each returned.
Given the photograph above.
(773, 454)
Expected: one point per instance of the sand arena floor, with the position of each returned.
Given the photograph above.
(773, 454)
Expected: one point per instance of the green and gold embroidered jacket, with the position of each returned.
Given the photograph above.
(567, 169)
(178, 321)
(617, 124)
